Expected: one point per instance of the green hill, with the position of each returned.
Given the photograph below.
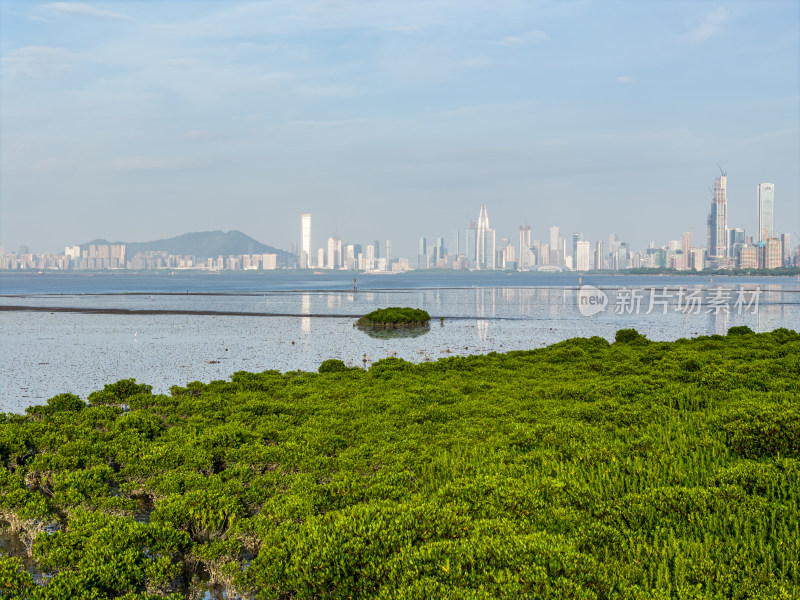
(202, 244)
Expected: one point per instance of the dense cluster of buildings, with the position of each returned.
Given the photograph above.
(478, 249)
(726, 248)
(114, 257)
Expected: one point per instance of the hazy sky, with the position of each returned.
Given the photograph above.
(140, 120)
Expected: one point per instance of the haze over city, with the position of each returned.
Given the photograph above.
(138, 121)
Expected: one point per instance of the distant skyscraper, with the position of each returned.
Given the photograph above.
(718, 220)
(388, 250)
(598, 255)
(583, 254)
(686, 249)
(773, 253)
(439, 250)
(349, 257)
(305, 240)
(576, 237)
(766, 211)
(472, 245)
(330, 263)
(369, 257)
(554, 231)
(786, 242)
(485, 242)
(736, 241)
(524, 261)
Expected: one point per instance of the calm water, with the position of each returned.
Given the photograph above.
(46, 353)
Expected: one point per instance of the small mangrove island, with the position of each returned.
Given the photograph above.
(395, 316)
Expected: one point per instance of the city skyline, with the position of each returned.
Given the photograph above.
(143, 120)
(726, 248)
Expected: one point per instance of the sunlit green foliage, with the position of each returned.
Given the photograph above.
(630, 470)
(395, 315)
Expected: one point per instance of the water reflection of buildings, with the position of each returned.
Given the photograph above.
(483, 332)
(334, 300)
(526, 296)
(305, 308)
(485, 302)
(719, 322)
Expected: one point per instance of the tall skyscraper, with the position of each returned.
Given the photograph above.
(554, 231)
(576, 237)
(786, 243)
(598, 255)
(439, 251)
(766, 211)
(330, 262)
(582, 257)
(686, 249)
(485, 242)
(718, 220)
(305, 240)
(524, 261)
(472, 245)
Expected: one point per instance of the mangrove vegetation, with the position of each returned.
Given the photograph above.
(395, 316)
(588, 469)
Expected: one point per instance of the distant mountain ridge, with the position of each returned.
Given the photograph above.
(202, 244)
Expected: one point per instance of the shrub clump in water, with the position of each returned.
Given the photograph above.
(395, 316)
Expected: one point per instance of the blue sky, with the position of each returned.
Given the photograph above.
(393, 120)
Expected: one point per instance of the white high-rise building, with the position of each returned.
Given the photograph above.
(583, 256)
(766, 211)
(554, 235)
(599, 259)
(525, 256)
(305, 240)
(485, 242)
(334, 256)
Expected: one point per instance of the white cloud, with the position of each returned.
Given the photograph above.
(711, 26)
(528, 38)
(477, 61)
(39, 61)
(78, 9)
(625, 79)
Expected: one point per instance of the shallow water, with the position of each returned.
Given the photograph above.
(46, 353)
